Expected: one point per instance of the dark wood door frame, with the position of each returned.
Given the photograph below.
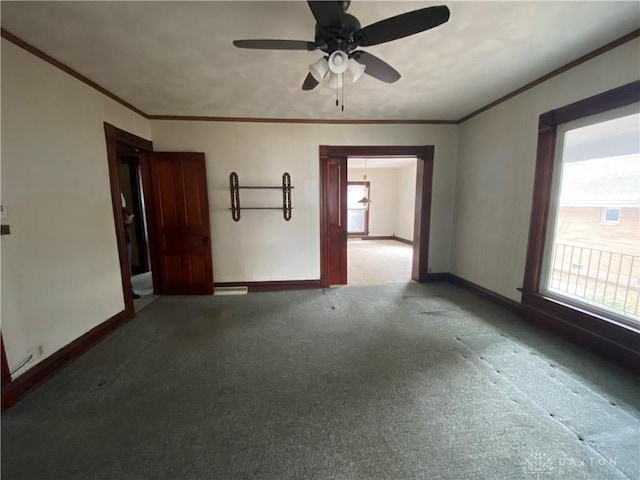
(333, 220)
(6, 374)
(422, 215)
(120, 142)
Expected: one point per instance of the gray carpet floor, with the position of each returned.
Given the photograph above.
(386, 382)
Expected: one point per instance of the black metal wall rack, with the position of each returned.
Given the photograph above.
(234, 188)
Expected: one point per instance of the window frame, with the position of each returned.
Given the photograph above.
(365, 233)
(621, 333)
(554, 203)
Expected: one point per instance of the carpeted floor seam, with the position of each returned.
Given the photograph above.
(492, 369)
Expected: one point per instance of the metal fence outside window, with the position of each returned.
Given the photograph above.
(599, 277)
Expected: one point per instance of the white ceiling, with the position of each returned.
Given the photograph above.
(176, 58)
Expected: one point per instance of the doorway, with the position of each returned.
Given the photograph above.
(381, 196)
(136, 228)
(134, 201)
(129, 175)
(334, 212)
(173, 230)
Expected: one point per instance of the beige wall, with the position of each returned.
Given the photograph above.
(262, 246)
(496, 166)
(60, 271)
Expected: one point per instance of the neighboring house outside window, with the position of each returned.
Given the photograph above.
(597, 210)
(610, 216)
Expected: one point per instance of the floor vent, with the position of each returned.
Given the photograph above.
(231, 290)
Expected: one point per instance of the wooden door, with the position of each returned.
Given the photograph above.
(336, 211)
(183, 234)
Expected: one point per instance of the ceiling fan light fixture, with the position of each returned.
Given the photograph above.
(319, 69)
(356, 69)
(338, 62)
(335, 80)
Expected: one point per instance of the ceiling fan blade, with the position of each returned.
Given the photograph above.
(402, 25)
(327, 14)
(276, 44)
(309, 83)
(376, 67)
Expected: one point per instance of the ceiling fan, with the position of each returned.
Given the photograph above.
(339, 35)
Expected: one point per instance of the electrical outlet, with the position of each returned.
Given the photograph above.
(428, 270)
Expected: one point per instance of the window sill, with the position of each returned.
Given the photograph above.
(614, 331)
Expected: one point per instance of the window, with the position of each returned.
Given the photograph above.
(357, 213)
(610, 216)
(597, 161)
(579, 269)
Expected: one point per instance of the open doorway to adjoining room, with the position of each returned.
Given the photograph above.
(334, 211)
(381, 196)
(128, 159)
(136, 228)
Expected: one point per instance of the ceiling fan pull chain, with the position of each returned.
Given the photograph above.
(343, 94)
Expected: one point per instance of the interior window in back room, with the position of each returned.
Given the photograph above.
(357, 211)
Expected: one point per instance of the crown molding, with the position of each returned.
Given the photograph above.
(585, 58)
(299, 120)
(56, 63)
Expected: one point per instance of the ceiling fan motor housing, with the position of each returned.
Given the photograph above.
(338, 37)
